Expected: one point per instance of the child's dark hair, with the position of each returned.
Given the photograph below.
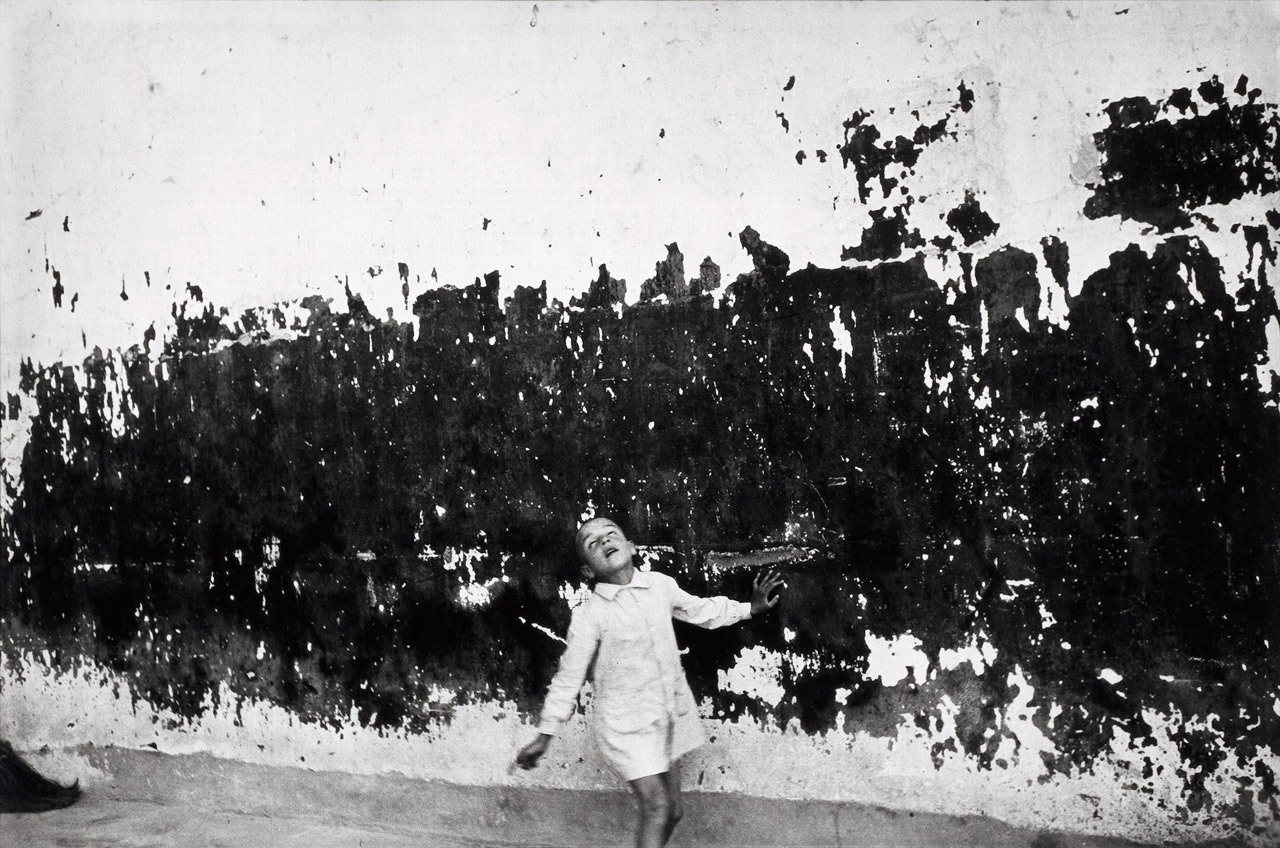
(569, 552)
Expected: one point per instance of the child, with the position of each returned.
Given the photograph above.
(645, 716)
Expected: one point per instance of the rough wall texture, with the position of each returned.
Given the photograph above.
(1028, 526)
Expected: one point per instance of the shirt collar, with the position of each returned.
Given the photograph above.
(609, 591)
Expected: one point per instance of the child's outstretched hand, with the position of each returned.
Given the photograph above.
(761, 588)
(531, 753)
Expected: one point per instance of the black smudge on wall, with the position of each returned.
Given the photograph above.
(888, 162)
(885, 238)
(1157, 166)
(970, 221)
(282, 499)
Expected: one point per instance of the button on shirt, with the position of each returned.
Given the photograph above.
(638, 681)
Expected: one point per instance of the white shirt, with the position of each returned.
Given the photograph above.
(626, 631)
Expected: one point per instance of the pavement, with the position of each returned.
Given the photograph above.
(145, 798)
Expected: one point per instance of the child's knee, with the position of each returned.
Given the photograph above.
(654, 802)
(656, 805)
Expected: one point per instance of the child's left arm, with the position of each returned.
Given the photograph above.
(721, 611)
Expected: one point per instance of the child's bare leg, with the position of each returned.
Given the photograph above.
(655, 811)
(675, 810)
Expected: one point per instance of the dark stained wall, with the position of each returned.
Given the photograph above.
(304, 489)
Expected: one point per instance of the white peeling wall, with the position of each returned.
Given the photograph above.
(281, 483)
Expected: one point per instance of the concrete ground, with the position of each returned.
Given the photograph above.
(152, 799)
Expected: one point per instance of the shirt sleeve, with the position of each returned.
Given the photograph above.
(705, 612)
(580, 649)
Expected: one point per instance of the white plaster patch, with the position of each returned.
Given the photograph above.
(1013, 586)
(14, 436)
(1028, 741)
(472, 592)
(843, 343)
(477, 595)
(895, 658)
(270, 559)
(543, 629)
(756, 673)
(1270, 370)
(94, 705)
(94, 566)
(574, 594)
(979, 653)
(651, 555)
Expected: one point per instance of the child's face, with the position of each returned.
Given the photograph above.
(604, 549)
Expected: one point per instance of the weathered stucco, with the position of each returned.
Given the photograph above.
(1014, 443)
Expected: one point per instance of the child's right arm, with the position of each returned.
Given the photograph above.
(580, 649)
